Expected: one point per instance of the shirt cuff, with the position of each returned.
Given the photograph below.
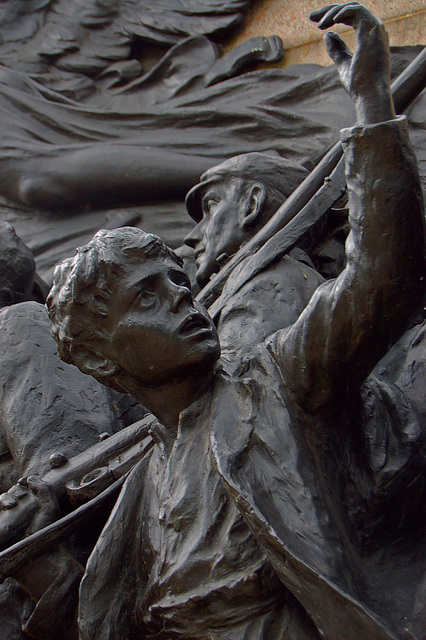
(358, 131)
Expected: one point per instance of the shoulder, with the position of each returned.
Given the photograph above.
(25, 330)
(271, 300)
(25, 312)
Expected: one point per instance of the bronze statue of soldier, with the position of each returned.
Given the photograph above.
(265, 509)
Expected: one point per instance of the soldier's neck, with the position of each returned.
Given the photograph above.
(167, 401)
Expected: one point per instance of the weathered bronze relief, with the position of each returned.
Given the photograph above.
(239, 454)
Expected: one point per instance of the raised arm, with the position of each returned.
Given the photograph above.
(352, 321)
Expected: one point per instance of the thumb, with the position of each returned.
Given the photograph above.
(45, 494)
(338, 51)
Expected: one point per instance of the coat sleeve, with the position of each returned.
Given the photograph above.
(352, 321)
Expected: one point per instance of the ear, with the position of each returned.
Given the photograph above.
(93, 363)
(254, 199)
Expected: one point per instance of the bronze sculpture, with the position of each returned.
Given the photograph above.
(277, 442)
(75, 97)
(79, 96)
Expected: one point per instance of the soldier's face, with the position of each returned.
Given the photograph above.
(219, 233)
(158, 330)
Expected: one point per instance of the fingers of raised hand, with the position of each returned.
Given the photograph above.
(319, 14)
(350, 13)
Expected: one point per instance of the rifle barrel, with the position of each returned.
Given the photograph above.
(29, 549)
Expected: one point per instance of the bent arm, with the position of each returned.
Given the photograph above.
(352, 321)
(101, 175)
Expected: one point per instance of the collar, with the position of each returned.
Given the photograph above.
(189, 418)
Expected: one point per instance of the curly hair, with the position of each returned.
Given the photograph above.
(78, 302)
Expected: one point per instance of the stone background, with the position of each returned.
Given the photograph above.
(405, 22)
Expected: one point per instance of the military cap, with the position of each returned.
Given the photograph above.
(283, 176)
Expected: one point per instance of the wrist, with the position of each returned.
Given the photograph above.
(374, 108)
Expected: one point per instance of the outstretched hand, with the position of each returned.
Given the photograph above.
(366, 73)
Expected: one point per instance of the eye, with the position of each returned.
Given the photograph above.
(146, 298)
(210, 202)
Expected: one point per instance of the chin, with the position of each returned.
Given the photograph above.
(203, 276)
(201, 280)
(204, 364)
(199, 366)
(214, 353)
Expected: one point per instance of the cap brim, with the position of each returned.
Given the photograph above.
(194, 199)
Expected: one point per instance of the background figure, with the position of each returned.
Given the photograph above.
(19, 281)
(230, 204)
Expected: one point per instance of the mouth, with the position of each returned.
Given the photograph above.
(195, 324)
(198, 252)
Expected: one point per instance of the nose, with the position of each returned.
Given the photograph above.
(179, 296)
(195, 235)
